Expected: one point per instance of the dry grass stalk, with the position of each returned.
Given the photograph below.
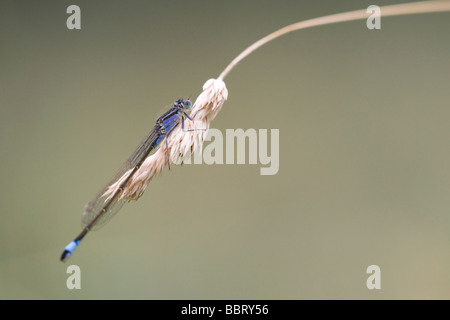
(183, 144)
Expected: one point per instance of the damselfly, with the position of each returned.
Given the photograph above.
(106, 204)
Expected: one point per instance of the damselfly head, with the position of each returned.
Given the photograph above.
(186, 104)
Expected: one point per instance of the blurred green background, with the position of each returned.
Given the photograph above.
(364, 172)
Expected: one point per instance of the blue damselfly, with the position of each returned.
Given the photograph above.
(106, 204)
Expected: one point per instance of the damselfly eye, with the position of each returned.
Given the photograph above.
(187, 104)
